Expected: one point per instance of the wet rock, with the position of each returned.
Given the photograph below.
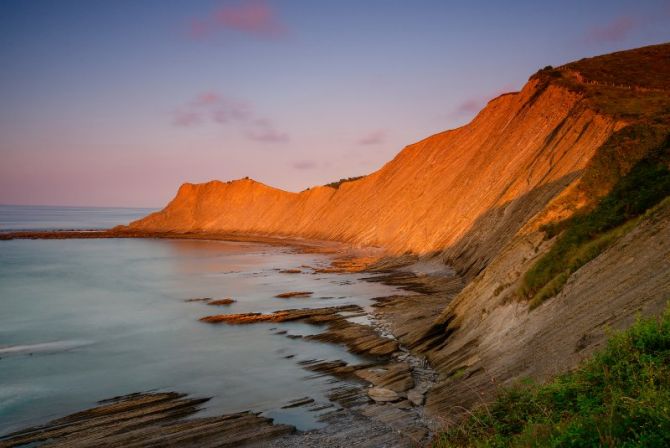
(222, 302)
(277, 316)
(292, 294)
(242, 318)
(335, 368)
(405, 404)
(347, 264)
(323, 318)
(290, 271)
(316, 407)
(298, 402)
(396, 377)
(361, 339)
(147, 420)
(348, 396)
(382, 395)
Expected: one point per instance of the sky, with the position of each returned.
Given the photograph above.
(118, 103)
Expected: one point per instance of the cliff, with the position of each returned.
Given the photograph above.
(492, 199)
(489, 335)
(465, 191)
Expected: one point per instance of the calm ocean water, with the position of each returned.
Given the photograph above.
(30, 217)
(85, 320)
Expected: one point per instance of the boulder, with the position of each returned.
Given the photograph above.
(416, 397)
(381, 395)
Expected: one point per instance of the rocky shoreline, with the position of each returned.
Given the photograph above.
(148, 420)
(377, 403)
(384, 407)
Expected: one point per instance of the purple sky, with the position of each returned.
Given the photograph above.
(118, 103)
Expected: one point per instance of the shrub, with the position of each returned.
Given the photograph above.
(337, 184)
(620, 397)
(584, 236)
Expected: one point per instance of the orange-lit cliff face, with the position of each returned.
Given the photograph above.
(477, 196)
(464, 191)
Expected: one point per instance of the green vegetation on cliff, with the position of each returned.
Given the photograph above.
(630, 85)
(629, 173)
(337, 184)
(620, 397)
(587, 234)
(646, 67)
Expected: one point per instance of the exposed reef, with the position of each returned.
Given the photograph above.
(149, 420)
(290, 295)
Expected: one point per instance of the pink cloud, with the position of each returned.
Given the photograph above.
(614, 31)
(252, 17)
(264, 131)
(186, 118)
(228, 111)
(198, 28)
(374, 138)
(208, 98)
(212, 107)
(305, 165)
(268, 135)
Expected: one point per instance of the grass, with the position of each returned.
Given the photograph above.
(580, 255)
(623, 150)
(584, 236)
(622, 94)
(620, 397)
(645, 67)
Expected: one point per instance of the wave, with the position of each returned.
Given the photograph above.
(42, 347)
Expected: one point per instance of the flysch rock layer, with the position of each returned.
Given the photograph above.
(149, 420)
(465, 192)
(487, 340)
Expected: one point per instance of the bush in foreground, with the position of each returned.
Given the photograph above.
(619, 398)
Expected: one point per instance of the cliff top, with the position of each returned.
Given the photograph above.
(632, 85)
(645, 68)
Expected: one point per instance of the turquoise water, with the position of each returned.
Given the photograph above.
(85, 320)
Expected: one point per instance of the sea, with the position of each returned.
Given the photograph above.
(84, 320)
